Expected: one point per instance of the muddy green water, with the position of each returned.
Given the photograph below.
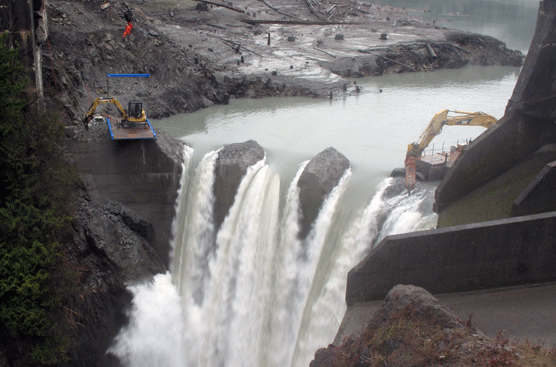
(371, 129)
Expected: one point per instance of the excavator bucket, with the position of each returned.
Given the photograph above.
(119, 131)
(410, 176)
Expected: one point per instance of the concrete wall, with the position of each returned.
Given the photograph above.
(494, 152)
(539, 196)
(141, 174)
(463, 258)
(527, 124)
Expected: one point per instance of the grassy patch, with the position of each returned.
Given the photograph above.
(411, 340)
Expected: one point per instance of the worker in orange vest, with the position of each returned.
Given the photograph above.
(128, 16)
(128, 28)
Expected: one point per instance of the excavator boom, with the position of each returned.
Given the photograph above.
(440, 119)
(414, 150)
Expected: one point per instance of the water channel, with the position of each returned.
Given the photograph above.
(253, 300)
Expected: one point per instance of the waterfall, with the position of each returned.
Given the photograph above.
(254, 294)
(190, 263)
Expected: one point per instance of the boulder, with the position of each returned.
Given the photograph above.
(231, 165)
(423, 304)
(362, 325)
(320, 176)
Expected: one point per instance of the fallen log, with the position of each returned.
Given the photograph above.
(431, 52)
(294, 22)
(215, 25)
(234, 45)
(279, 11)
(459, 48)
(222, 5)
(314, 11)
(387, 59)
(328, 53)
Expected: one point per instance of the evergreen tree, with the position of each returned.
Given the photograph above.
(32, 212)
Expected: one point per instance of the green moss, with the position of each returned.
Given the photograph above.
(494, 200)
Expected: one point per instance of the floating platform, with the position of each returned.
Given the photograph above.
(117, 132)
(434, 167)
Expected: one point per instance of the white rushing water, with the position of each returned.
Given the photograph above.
(254, 294)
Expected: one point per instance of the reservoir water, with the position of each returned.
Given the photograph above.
(253, 294)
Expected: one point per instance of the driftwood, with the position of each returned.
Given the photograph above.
(314, 11)
(215, 25)
(431, 52)
(387, 59)
(294, 22)
(222, 5)
(279, 11)
(328, 53)
(236, 46)
(363, 11)
(459, 48)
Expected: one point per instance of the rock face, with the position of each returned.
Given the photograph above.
(143, 175)
(122, 231)
(320, 176)
(231, 165)
(110, 249)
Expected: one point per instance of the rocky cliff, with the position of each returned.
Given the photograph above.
(122, 231)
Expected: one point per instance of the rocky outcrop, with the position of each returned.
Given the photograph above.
(423, 304)
(320, 176)
(402, 301)
(461, 48)
(231, 165)
(110, 249)
(122, 231)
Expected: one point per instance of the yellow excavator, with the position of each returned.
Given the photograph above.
(441, 119)
(134, 117)
(414, 150)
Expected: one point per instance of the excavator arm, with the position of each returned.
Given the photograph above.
(414, 150)
(440, 119)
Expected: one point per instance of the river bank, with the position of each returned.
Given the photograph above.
(198, 57)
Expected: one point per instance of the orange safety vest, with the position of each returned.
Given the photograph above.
(128, 29)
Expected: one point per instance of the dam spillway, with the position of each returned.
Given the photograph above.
(253, 293)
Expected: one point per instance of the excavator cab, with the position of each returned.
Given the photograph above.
(135, 109)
